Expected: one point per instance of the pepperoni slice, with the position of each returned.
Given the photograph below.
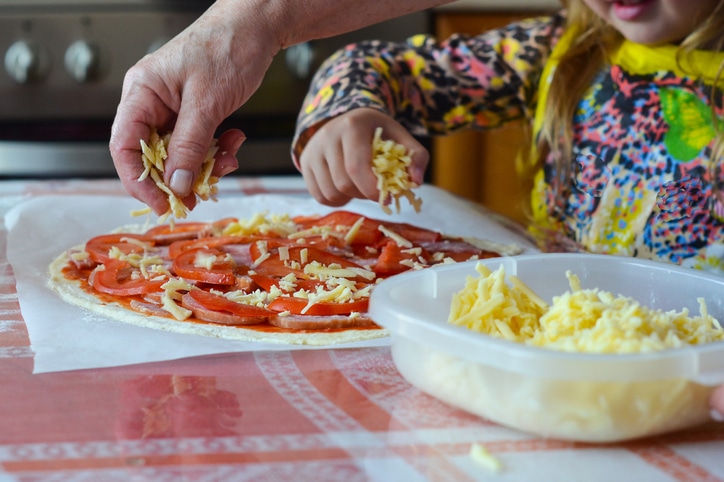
(217, 309)
(307, 322)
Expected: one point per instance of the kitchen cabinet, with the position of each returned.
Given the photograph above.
(480, 166)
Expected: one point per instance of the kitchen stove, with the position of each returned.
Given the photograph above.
(63, 63)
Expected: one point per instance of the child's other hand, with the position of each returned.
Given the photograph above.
(337, 161)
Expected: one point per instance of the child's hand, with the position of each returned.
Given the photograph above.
(337, 161)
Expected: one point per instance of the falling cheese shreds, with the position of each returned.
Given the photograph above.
(153, 156)
(483, 457)
(390, 164)
(141, 212)
(580, 320)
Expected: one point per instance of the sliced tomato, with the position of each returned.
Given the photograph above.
(221, 272)
(272, 245)
(267, 283)
(414, 234)
(389, 262)
(178, 247)
(319, 255)
(217, 309)
(458, 250)
(368, 233)
(166, 234)
(99, 246)
(274, 266)
(297, 306)
(116, 279)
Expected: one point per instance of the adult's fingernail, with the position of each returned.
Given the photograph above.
(717, 415)
(238, 143)
(181, 180)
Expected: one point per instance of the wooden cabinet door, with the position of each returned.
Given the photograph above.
(480, 166)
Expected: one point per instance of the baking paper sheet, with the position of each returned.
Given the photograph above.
(67, 337)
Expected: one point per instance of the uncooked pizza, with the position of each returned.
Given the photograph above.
(272, 277)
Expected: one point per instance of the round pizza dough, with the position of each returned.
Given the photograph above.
(72, 292)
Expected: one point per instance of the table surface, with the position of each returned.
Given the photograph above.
(321, 415)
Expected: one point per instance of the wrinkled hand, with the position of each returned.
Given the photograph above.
(190, 85)
(337, 161)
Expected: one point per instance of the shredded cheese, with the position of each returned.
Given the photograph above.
(80, 255)
(172, 295)
(255, 298)
(589, 320)
(401, 241)
(353, 230)
(203, 259)
(323, 231)
(153, 156)
(390, 163)
(262, 223)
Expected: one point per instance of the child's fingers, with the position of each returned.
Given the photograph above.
(420, 160)
(358, 164)
(329, 179)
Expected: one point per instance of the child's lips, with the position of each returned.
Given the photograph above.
(630, 9)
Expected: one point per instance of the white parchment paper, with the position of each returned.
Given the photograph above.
(66, 337)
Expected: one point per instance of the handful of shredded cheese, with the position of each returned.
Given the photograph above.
(390, 162)
(153, 156)
(590, 320)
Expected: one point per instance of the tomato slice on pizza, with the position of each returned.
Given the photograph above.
(300, 306)
(99, 248)
(115, 277)
(209, 265)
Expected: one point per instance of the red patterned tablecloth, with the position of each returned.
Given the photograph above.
(323, 415)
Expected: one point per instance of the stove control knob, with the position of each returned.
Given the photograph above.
(85, 62)
(27, 62)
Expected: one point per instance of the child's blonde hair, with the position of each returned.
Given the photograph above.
(574, 75)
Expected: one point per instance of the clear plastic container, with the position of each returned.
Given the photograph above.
(573, 396)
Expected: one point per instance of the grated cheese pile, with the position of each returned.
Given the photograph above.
(590, 320)
(390, 162)
(154, 155)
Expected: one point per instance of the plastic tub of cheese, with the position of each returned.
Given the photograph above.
(572, 395)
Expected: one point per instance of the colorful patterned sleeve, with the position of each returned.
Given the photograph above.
(435, 88)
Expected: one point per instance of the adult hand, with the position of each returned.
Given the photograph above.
(337, 161)
(190, 85)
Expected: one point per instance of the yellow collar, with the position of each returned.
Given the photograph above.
(637, 59)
